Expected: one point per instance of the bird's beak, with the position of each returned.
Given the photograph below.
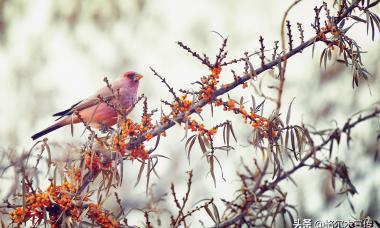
(138, 77)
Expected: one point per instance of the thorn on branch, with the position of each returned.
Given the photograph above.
(317, 24)
(288, 26)
(326, 10)
(274, 56)
(204, 60)
(188, 92)
(262, 55)
(301, 31)
(222, 53)
(171, 90)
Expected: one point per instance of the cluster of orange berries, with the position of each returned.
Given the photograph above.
(130, 129)
(62, 194)
(56, 200)
(95, 213)
(92, 161)
(209, 83)
(139, 152)
(127, 128)
(146, 123)
(74, 173)
(335, 35)
(180, 106)
(252, 118)
(200, 128)
(37, 203)
(329, 27)
(20, 215)
(34, 209)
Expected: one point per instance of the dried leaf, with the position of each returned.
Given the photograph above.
(329, 54)
(331, 148)
(210, 214)
(191, 142)
(202, 144)
(293, 144)
(206, 141)
(212, 169)
(232, 131)
(148, 171)
(290, 216)
(372, 29)
(289, 112)
(345, 58)
(299, 137)
(121, 164)
(216, 213)
(286, 138)
(253, 103)
(228, 130)
(224, 133)
(322, 57)
(351, 205)
(140, 173)
(339, 204)
(72, 126)
(49, 161)
(373, 4)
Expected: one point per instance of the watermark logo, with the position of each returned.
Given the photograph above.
(309, 223)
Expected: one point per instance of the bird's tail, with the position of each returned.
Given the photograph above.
(47, 130)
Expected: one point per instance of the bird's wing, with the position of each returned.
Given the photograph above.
(104, 92)
(64, 112)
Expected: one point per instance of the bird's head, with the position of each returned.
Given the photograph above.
(133, 76)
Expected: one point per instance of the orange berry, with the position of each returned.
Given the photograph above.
(148, 136)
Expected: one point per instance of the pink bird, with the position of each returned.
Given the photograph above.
(97, 113)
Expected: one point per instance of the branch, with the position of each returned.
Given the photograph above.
(160, 128)
(240, 80)
(302, 163)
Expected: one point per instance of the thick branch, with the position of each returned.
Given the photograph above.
(163, 127)
(240, 80)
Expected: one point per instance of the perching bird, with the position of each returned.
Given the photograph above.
(96, 113)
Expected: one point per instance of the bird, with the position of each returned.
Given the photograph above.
(98, 112)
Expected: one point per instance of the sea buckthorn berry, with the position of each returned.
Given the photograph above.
(231, 104)
(148, 137)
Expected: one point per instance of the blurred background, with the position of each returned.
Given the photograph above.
(54, 53)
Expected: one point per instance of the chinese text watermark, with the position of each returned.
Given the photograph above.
(309, 223)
